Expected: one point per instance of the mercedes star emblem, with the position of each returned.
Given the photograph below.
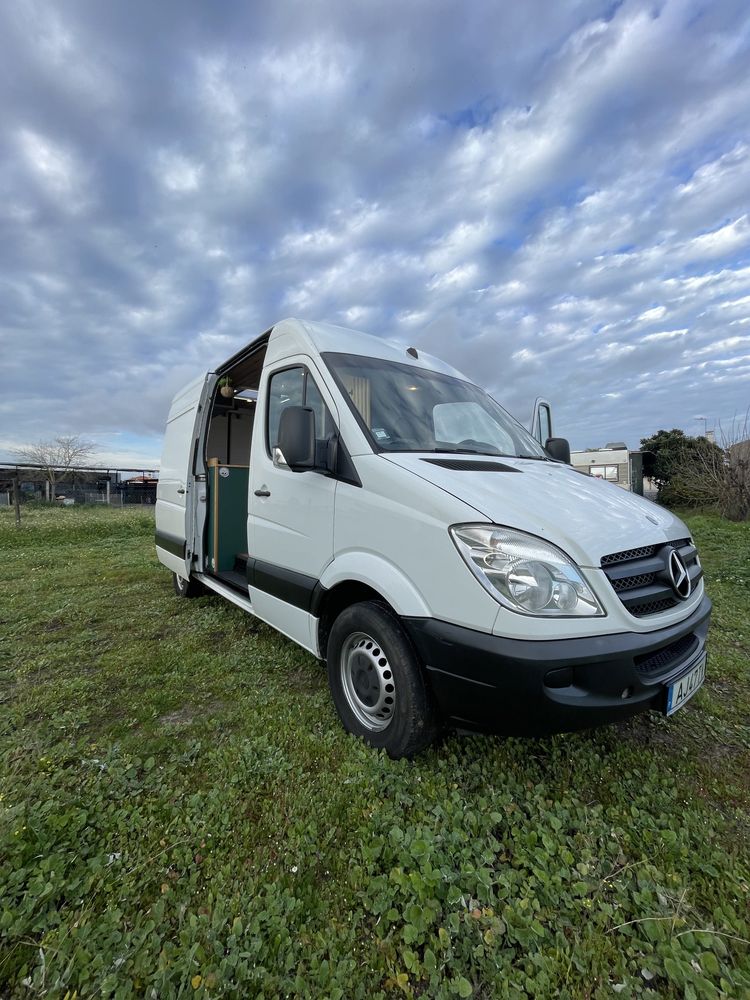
(679, 575)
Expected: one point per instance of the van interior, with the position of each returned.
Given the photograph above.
(227, 455)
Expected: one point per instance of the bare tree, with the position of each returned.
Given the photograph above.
(58, 457)
(717, 477)
(736, 442)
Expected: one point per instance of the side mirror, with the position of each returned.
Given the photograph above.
(558, 449)
(296, 438)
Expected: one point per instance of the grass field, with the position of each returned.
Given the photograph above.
(182, 815)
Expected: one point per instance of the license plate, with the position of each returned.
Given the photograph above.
(684, 689)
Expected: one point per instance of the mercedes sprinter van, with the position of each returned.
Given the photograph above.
(385, 513)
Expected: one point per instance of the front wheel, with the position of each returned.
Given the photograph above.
(377, 682)
(186, 588)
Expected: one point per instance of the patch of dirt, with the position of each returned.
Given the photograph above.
(189, 714)
(304, 679)
(646, 731)
(54, 625)
(181, 717)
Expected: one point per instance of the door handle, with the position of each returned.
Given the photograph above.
(180, 490)
(263, 493)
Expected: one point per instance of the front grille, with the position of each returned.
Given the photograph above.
(640, 576)
(628, 582)
(652, 607)
(667, 656)
(618, 557)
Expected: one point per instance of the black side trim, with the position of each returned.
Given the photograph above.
(170, 543)
(316, 599)
(345, 468)
(294, 588)
(471, 465)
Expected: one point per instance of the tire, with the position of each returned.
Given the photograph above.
(377, 682)
(186, 588)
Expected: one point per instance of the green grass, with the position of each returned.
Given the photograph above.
(182, 814)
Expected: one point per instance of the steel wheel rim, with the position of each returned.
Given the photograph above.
(367, 681)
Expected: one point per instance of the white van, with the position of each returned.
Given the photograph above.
(381, 510)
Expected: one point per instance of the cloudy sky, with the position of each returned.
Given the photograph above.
(554, 197)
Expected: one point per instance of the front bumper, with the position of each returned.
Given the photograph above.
(526, 687)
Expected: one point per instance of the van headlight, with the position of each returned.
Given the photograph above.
(525, 573)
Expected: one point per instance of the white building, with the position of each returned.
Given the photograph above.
(612, 463)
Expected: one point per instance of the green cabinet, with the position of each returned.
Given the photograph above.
(227, 514)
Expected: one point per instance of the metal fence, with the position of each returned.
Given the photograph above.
(82, 485)
(120, 495)
(124, 498)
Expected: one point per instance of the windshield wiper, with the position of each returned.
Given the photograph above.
(470, 451)
(489, 454)
(459, 451)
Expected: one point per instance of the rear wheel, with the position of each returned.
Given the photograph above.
(186, 588)
(377, 682)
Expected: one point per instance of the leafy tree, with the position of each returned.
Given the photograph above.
(56, 458)
(696, 472)
(672, 450)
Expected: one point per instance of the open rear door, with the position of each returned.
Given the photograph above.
(541, 421)
(175, 494)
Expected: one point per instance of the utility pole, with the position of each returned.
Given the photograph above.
(16, 498)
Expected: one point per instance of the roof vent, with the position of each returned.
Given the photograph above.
(413, 352)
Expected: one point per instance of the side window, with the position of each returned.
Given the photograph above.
(295, 387)
(286, 388)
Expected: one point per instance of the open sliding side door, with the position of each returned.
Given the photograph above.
(176, 493)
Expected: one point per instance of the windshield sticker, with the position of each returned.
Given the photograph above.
(380, 433)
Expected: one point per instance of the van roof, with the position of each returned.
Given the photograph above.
(294, 336)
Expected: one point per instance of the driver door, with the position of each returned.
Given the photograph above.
(290, 525)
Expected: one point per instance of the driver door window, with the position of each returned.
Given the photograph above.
(295, 387)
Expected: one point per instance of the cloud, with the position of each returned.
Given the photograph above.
(554, 198)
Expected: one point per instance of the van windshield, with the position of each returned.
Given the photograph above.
(405, 408)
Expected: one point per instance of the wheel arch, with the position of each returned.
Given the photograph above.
(363, 576)
(336, 600)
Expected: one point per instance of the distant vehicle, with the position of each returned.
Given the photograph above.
(382, 511)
